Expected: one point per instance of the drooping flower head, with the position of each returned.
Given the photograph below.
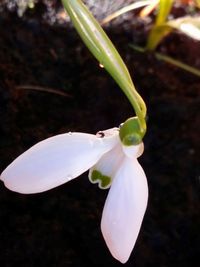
(64, 157)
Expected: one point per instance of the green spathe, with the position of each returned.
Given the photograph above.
(102, 48)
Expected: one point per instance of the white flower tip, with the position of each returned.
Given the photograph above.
(118, 251)
(124, 209)
(11, 182)
(5, 180)
(1, 178)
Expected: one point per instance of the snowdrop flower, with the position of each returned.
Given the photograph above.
(64, 157)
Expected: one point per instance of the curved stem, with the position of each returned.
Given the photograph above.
(102, 48)
(137, 103)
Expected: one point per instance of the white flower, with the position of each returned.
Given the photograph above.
(64, 157)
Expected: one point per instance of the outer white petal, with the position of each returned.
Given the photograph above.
(124, 209)
(55, 161)
(107, 165)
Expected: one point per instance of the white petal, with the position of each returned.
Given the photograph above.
(133, 151)
(55, 161)
(104, 170)
(124, 209)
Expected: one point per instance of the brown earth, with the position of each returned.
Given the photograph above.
(61, 227)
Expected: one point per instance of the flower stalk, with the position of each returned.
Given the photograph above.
(102, 48)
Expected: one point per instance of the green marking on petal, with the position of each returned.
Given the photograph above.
(103, 181)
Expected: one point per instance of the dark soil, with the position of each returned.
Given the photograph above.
(61, 227)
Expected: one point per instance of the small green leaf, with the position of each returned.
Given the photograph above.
(160, 28)
(178, 64)
(156, 36)
(170, 60)
(187, 25)
(164, 9)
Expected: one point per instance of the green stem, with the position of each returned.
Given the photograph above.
(159, 29)
(178, 63)
(102, 48)
(169, 60)
(164, 9)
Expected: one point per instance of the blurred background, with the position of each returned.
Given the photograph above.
(51, 84)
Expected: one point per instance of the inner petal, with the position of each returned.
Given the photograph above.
(104, 170)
